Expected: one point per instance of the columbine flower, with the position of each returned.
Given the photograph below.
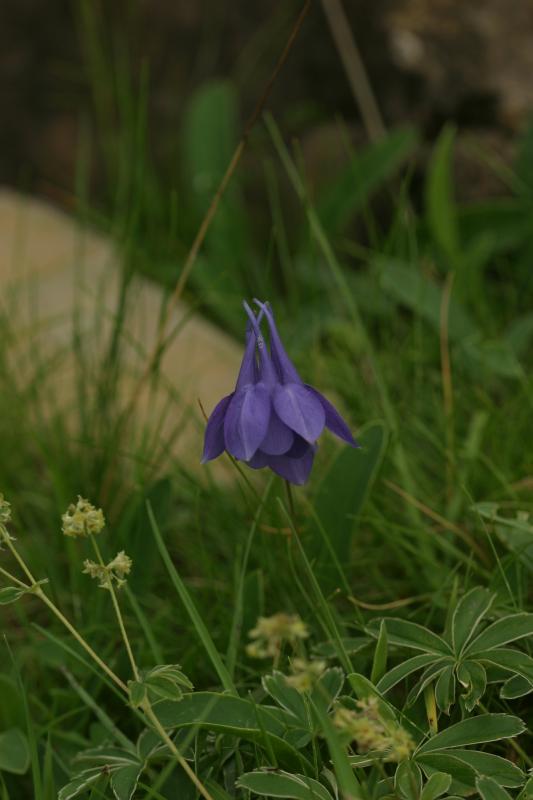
(116, 571)
(270, 633)
(272, 419)
(82, 519)
(304, 674)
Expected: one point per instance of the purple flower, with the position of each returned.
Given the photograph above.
(272, 419)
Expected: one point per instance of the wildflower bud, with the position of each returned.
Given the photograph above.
(372, 733)
(82, 519)
(115, 571)
(305, 674)
(270, 633)
(5, 511)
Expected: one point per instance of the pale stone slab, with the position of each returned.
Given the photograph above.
(58, 279)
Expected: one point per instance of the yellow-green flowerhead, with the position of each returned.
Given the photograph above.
(5, 511)
(305, 674)
(82, 519)
(270, 633)
(371, 732)
(114, 572)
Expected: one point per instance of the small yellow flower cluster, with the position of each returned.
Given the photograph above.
(116, 570)
(5, 519)
(304, 674)
(82, 519)
(5, 511)
(367, 728)
(270, 633)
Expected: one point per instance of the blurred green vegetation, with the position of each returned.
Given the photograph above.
(380, 280)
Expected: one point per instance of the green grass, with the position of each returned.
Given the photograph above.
(433, 505)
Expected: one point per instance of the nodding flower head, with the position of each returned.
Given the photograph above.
(272, 419)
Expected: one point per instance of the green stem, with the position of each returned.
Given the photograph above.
(118, 612)
(147, 706)
(60, 616)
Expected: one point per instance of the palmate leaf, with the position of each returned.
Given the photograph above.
(122, 766)
(267, 726)
(468, 614)
(283, 784)
(476, 730)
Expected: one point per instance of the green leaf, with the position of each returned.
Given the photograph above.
(190, 607)
(328, 688)
(79, 784)
(234, 716)
(503, 771)
(505, 630)
(437, 785)
(398, 673)
(410, 634)
(509, 659)
(340, 499)
(14, 752)
(10, 594)
(349, 787)
(286, 696)
(440, 204)
(349, 193)
(124, 781)
(408, 780)
(463, 776)
(483, 728)
(283, 784)
(527, 791)
(364, 688)
(468, 614)
(473, 677)
(429, 675)
(379, 664)
(490, 790)
(162, 689)
(351, 644)
(137, 693)
(445, 689)
(423, 297)
(515, 687)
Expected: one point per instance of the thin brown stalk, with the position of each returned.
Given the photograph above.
(436, 517)
(354, 68)
(446, 372)
(226, 178)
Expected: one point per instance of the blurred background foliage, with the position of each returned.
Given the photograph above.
(386, 258)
